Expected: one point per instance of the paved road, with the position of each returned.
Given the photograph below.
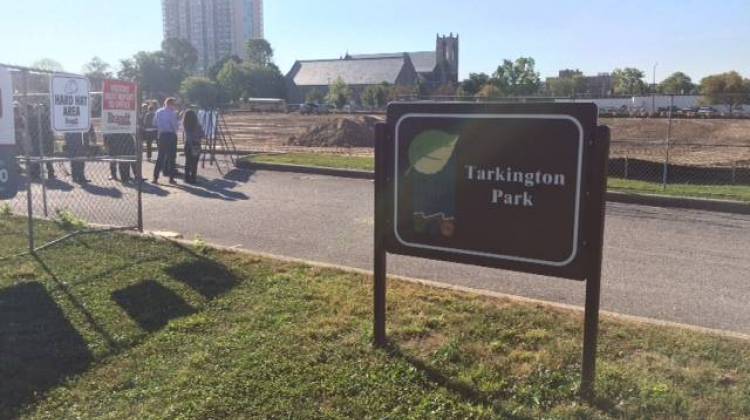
(675, 265)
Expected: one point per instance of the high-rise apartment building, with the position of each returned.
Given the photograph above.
(216, 28)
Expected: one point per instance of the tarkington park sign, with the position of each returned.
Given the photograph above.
(511, 186)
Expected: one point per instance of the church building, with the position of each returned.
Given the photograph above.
(431, 68)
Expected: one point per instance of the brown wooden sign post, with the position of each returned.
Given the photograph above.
(511, 186)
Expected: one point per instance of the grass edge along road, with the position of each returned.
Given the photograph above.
(366, 163)
(121, 326)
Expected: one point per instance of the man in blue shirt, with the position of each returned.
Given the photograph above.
(166, 122)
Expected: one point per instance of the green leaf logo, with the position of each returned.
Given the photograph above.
(431, 150)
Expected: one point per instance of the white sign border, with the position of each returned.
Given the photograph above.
(581, 147)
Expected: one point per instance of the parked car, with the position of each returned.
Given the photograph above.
(317, 109)
(707, 112)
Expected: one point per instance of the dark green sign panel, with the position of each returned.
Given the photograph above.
(495, 184)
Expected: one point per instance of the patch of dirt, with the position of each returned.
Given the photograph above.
(693, 131)
(339, 132)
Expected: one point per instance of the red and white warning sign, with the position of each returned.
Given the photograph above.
(119, 107)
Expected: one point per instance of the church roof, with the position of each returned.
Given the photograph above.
(424, 61)
(353, 71)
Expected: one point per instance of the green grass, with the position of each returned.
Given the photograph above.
(719, 192)
(319, 160)
(124, 327)
(366, 163)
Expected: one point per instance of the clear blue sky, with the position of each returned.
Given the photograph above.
(699, 37)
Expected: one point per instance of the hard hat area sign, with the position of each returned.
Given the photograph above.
(499, 186)
(70, 103)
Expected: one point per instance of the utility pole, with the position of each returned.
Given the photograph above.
(653, 93)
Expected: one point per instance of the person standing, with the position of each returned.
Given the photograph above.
(149, 129)
(166, 123)
(75, 146)
(42, 140)
(128, 152)
(112, 146)
(193, 137)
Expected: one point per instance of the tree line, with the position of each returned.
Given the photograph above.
(519, 78)
(170, 70)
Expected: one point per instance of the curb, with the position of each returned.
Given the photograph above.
(479, 292)
(720, 206)
(341, 173)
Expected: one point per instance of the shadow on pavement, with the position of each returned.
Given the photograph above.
(152, 305)
(153, 189)
(240, 175)
(59, 185)
(97, 190)
(218, 189)
(39, 348)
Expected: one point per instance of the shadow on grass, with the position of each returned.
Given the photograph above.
(466, 391)
(205, 276)
(39, 347)
(152, 305)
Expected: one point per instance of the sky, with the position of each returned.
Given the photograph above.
(698, 37)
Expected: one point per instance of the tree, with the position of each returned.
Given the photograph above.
(264, 82)
(233, 80)
(180, 54)
(201, 91)
(628, 81)
(570, 83)
(48, 64)
(517, 77)
(376, 96)
(259, 52)
(97, 69)
(474, 83)
(339, 93)
(489, 91)
(213, 71)
(154, 72)
(314, 97)
(678, 83)
(422, 90)
(725, 89)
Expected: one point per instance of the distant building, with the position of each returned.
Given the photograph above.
(431, 68)
(599, 86)
(216, 28)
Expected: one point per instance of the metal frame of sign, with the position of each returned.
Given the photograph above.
(585, 261)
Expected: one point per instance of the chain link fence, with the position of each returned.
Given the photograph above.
(70, 185)
(673, 164)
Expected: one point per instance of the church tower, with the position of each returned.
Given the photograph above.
(447, 58)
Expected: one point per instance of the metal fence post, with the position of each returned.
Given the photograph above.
(27, 143)
(665, 174)
(627, 164)
(139, 178)
(42, 165)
